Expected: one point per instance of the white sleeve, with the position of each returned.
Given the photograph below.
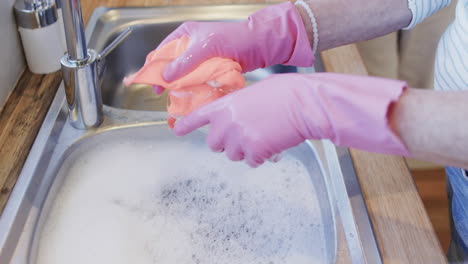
(420, 9)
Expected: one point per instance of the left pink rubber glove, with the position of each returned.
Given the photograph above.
(272, 35)
(284, 110)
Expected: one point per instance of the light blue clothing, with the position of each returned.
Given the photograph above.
(421, 9)
(451, 66)
(451, 74)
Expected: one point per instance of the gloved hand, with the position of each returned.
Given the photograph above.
(273, 35)
(283, 110)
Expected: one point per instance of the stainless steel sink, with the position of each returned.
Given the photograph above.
(137, 115)
(149, 28)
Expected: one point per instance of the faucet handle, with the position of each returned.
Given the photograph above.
(116, 42)
(108, 49)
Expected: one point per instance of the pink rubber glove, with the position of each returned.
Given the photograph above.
(273, 35)
(283, 110)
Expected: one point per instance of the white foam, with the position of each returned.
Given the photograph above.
(175, 204)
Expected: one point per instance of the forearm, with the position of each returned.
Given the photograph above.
(342, 22)
(433, 125)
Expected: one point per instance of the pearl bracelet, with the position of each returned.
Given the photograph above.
(313, 21)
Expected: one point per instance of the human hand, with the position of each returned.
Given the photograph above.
(273, 35)
(285, 109)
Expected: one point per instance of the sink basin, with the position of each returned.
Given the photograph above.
(132, 180)
(197, 204)
(150, 27)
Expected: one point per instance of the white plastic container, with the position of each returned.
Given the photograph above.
(42, 34)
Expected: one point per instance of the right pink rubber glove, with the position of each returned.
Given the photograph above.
(272, 35)
(285, 109)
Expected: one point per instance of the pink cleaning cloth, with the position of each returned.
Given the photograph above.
(212, 79)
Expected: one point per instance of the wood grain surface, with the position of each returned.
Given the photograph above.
(403, 230)
(20, 121)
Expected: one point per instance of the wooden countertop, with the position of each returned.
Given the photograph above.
(401, 224)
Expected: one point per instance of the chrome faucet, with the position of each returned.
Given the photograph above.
(82, 69)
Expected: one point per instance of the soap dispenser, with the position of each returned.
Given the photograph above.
(42, 34)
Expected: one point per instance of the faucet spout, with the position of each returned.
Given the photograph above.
(82, 68)
(74, 29)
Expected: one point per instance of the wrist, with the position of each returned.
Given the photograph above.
(355, 111)
(281, 37)
(307, 23)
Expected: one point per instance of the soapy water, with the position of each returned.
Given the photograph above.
(173, 203)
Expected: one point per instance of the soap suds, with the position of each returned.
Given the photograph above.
(173, 203)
